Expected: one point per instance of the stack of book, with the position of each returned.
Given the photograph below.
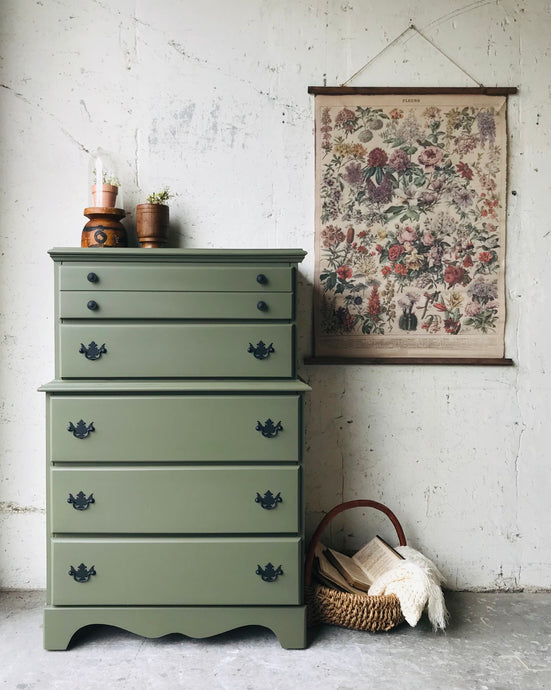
(355, 574)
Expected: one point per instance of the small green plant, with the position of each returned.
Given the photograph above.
(160, 197)
(107, 178)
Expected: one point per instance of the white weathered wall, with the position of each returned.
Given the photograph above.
(210, 97)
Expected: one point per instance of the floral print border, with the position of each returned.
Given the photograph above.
(410, 214)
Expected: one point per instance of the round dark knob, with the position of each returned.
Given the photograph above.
(92, 277)
(92, 305)
(262, 306)
(261, 278)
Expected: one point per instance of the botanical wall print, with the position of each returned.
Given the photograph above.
(410, 225)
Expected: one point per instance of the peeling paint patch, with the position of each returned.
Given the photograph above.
(185, 115)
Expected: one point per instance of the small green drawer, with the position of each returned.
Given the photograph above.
(166, 277)
(164, 428)
(183, 500)
(165, 571)
(184, 350)
(176, 305)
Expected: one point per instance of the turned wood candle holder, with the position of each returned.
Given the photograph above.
(104, 228)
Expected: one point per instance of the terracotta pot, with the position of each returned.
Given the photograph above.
(152, 225)
(105, 196)
(104, 228)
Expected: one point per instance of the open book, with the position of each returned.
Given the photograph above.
(356, 573)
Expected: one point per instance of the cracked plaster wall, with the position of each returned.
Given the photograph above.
(210, 98)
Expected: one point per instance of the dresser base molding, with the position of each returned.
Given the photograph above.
(288, 623)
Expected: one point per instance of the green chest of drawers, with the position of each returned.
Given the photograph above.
(174, 441)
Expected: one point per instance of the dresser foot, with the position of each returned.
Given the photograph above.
(288, 623)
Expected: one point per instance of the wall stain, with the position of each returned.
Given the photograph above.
(10, 507)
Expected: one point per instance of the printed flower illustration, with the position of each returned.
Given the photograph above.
(453, 275)
(464, 170)
(396, 113)
(353, 174)
(399, 160)
(395, 252)
(344, 272)
(381, 194)
(377, 157)
(431, 157)
(410, 214)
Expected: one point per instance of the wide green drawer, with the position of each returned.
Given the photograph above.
(175, 305)
(159, 428)
(166, 277)
(168, 571)
(174, 499)
(187, 350)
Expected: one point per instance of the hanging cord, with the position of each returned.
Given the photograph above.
(411, 27)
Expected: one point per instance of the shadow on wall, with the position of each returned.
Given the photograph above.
(337, 461)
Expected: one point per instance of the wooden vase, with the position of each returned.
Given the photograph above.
(152, 225)
(105, 196)
(104, 228)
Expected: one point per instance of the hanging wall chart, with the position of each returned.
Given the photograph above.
(410, 224)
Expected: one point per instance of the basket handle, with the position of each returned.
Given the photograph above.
(361, 502)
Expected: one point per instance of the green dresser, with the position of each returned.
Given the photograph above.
(174, 443)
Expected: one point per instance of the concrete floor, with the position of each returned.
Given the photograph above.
(500, 641)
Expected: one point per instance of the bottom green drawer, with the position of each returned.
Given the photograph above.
(167, 571)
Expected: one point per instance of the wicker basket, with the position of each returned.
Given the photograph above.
(333, 607)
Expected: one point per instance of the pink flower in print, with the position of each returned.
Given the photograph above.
(344, 116)
(466, 144)
(427, 239)
(408, 234)
(473, 308)
(331, 235)
(430, 157)
(399, 160)
(426, 198)
(346, 120)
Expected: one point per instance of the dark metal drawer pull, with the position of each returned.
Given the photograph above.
(262, 306)
(92, 305)
(261, 350)
(81, 430)
(269, 429)
(261, 278)
(268, 501)
(92, 278)
(268, 573)
(92, 352)
(81, 502)
(82, 573)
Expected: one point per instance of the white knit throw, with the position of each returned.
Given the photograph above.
(416, 582)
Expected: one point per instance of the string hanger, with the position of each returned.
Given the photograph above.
(411, 27)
